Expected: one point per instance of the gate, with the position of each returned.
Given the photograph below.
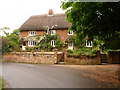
(103, 58)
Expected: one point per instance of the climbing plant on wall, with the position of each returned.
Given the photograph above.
(45, 43)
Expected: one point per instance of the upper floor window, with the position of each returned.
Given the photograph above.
(31, 43)
(52, 32)
(52, 43)
(88, 43)
(31, 33)
(70, 32)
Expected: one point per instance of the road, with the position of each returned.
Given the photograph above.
(18, 75)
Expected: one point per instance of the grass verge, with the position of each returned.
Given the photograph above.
(1, 83)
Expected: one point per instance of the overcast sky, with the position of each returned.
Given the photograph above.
(13, 13)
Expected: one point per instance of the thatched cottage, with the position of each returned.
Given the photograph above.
(36, 25)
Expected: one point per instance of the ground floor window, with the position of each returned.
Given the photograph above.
(88, 43)
(52, 43)
(70, 45)
(31, 43)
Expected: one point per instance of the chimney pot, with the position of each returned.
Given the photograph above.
(50, 12)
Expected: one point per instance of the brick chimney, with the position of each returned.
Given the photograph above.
(50, 12)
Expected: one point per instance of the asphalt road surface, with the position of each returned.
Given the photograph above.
(45, 76)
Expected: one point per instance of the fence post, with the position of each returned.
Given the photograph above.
(65, 56)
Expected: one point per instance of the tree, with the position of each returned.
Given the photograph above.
(4, 30)
(10, 42)
(4, 45)
(95, 20)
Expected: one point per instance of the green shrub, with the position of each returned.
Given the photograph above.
(1, 83)
(29, 49)
(89, 52)
(70, 51)
(73, 55)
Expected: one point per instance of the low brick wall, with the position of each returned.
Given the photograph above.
(82, 59)
(36, 57)
(114, 57)
(49, 58)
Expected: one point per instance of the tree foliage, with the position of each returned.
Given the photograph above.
(10, 42)
(4, 30)
(95, 20)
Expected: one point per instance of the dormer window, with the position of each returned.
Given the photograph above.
(70, 32)
(52, 32)
(31, 33)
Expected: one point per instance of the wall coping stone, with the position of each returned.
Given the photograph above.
(50, 53)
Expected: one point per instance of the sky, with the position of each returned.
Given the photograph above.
(13, 13)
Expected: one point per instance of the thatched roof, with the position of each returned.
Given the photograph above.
(39, 21)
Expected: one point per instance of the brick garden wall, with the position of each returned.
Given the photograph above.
(37, 57)
(54, 57)
(114, 57)
(49, 58)
(83, 59)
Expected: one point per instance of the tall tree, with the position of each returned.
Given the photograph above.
(95, 20)
(10, 42)
(4, 31)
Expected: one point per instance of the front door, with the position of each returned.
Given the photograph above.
(103, 58)
(24, 46)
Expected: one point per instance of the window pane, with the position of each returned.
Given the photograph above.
(52, 32)
(33, 42)
(52, 43)
(87, 43)
(70, 32)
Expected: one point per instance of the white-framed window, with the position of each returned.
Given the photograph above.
(52, 43)
(31, 43)
(52, 32)
(70, 45)
(70, 32)
(88, 43)
(31, 33)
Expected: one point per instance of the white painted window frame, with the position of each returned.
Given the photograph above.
(52, 32)
(31, 33)
(31, 43)
(70, 45)
(52, 43)
(88, 43)
(70, 32)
